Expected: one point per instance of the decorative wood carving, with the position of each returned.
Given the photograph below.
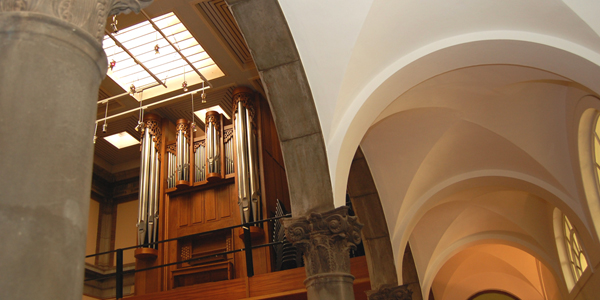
(245, 97)
(213, 118)
(152, 123)
(183, 125)
(172, 148)
(227, 135)
(325, 239)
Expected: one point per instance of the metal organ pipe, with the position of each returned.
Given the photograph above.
(213, 145)
(183, 150)
(246, 155)
(149, 180)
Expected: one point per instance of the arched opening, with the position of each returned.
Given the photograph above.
(572, 254)
(493, 295)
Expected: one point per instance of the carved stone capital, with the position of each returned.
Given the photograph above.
(390, 292)
(89, 15)
(325, 239)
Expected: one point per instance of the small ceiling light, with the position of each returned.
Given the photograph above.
(121, 140)
(112, 64)
(132, 89)
(184, 86)
(156, 49)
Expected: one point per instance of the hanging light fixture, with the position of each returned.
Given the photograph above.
(105, 126)
(96, 132)
(184, 83)
(193, 125)
(114, 23)
(141, 114)
(203, 93)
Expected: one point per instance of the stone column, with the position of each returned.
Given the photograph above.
(51, 64)
(325, 239)
(390, 292)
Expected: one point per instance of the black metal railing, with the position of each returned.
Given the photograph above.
(119, 272)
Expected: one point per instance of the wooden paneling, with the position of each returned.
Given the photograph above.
(197, 208)
(283, 285)
(210, 205)
(203, 210)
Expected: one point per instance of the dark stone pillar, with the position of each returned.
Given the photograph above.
(325, 239)
(51, 65)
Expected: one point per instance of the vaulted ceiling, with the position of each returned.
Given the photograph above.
(468, 114)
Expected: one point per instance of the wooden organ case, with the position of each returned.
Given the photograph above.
(232, 174)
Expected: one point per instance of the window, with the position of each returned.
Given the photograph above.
(596, 149)
(576, 257)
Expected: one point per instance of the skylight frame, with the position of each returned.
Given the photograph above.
(127, 72)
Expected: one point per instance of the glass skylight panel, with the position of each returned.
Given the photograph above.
(167, 65)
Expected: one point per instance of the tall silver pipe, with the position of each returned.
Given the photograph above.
(183, 152)
(154, 208)
(213, 145)
(243, 200)
(151, 196)
(149, 180)
(246, 155)
(142, 209)
(186, 165)
(252, 167)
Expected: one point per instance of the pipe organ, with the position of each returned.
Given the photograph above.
(232, 175)
(149, 180)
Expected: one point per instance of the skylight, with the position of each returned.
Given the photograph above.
(201, 114)
(158, 56)
(122, 140)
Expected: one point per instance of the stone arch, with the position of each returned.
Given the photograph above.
(288, 92)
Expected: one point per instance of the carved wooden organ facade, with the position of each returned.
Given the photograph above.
(191, 184)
